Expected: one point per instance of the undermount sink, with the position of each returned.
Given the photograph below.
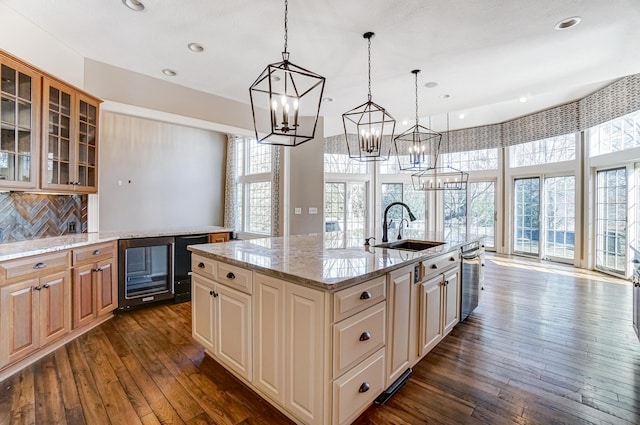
(409, 245)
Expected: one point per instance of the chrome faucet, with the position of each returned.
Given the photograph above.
(385, 227)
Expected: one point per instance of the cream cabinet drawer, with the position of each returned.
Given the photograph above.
(358, 337)
(203, 266)
(357, 298)
(235, 277)
(355, 391)
(93, 253)
(34, 265)
(443, 262)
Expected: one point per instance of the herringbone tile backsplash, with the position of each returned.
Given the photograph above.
(26, 216)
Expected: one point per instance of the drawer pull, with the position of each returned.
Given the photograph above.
(97, 252)
(230, 275)
(365, 295)
(40, 266)
(364, 387)
(201, 265)
(365, 336)
(452, 259)
(434, 266)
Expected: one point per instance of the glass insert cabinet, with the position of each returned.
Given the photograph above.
(48, 132)
(19, 103)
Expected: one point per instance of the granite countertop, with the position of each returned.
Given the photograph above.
(310, 260)
(13, 250)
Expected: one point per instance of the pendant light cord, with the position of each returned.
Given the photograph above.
(369, 64)
(416, 74)
(286, 22)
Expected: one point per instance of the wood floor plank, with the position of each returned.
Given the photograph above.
(49, 407)
(23, 403)
(68, 390)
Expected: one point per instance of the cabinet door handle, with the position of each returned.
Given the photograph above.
(37, 288)
(45, 286)
(365, 295)
(40, 266)
(446, 283)
(201, 265)
(211, 293)
(215, 294)
(364, 387)
(230, 275)
(99, 269)
(365, 336)
(97, 252)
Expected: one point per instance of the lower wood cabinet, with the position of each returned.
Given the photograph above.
(95, 283)
(33, 314)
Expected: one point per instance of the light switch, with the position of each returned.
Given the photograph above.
(298, 210)
(313, 210)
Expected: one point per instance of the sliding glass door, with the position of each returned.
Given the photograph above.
(560, 217)
(611, 220)
(526, 228)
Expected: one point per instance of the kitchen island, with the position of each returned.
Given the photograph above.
(320, 332)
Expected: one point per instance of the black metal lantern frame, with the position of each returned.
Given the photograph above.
(285, 101)
(417, 148)
(369, 128)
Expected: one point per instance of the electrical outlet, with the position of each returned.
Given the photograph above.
(71, 227)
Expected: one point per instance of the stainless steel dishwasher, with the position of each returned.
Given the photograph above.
(472, 277)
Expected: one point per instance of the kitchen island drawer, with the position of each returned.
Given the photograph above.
(358, 337)
(34, 266)
(353, 392)
(440, 263)
(203, 266)
(359, 297)
(235, 277)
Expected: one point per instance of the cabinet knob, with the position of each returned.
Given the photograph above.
(231, 275)
(365, 295)
(37, 288)
(201, 265)
(97, 252)
(365, 336)
(446, 283)
(40, 266)
(364, 387)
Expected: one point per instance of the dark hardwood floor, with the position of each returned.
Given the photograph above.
(549, 344)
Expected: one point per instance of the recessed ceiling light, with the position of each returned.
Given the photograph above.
(431, 84)
(196, 47)
(169, 72)
(405, 122)
(461, 116)
(523, 99)
(445, 96)
(136, 5)
(327, 99)
(568, 23)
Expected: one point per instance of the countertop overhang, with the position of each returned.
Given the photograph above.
(13, 250)
(307, 259)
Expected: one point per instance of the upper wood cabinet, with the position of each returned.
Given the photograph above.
(19, 118)
(70, 145)
(49, 132)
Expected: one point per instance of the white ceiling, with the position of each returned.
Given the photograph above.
(484, 54)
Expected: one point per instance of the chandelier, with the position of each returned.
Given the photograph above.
(417, 148)
(285, 100)
(369, 128)
(441, 177)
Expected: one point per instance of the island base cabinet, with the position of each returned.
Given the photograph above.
(290, 347)
(355, 391)
(399, 324)
(451, 302)
(430, 314)
(202, 311)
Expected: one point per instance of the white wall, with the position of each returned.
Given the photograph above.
(171, 175)
(26, 41)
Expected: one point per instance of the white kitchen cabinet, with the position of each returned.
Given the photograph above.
(430, 327)
(451, 299)
(636, 307)
(222, 323)
(399, 325)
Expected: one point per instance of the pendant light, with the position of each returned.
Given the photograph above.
(369, 128)
(417, 148)
(285, 100)
(441, 177)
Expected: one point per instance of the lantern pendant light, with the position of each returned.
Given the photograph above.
(285, 100)
(417, 148)
(369, 128)
(443, 177)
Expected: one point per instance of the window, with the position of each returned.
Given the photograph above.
(345, 213)
(560, 216)
(611, 220)
(340, 163)
(616, 135)
(478, 160)
(526, 228)
(482, 211)
(399, 192)
(539, 152)
(455, 214)
(253, 187)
